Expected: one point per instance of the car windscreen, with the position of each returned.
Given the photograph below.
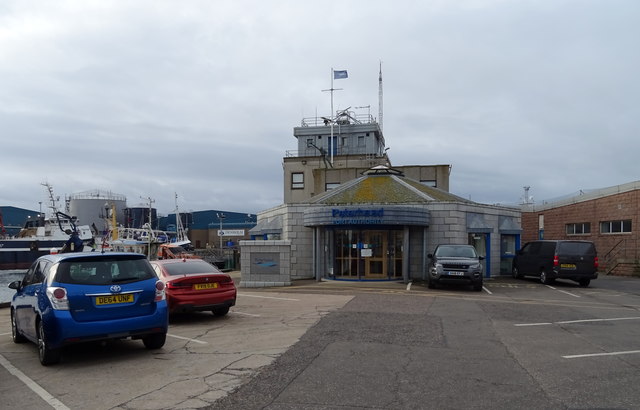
(576, 248)
(103, 271)
(456, 252)
(190, 267)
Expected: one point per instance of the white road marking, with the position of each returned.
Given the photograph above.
(564, 322)
(409, 286)
(578, 356)
(244, 295)
(4, 334)
(186, 338)
(35, 387)
(487, 290)
(244, 314)
(568, 293)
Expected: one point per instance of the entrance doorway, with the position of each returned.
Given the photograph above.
(481, 242)
(368, 254)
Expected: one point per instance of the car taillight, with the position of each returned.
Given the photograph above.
(556, 260)
(596, 263)
(178, 285)
(159, 291)
(58, 298)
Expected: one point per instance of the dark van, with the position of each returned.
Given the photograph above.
(551, 260)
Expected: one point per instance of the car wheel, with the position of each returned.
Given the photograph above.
(515, 273)
(15, 333)
(477, 287)
(544, 279)
(584, 282)
(221, 311)
(154, 341)
(47, 355)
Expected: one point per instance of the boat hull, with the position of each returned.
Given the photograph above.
(21, 253)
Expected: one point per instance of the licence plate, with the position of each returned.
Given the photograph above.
(567, 266)
(454, 273)
(114, 299)
(200, 286)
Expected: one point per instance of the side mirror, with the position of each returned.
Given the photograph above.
(480, 258)
(15, 285)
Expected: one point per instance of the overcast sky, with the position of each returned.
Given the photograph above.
(149, 99)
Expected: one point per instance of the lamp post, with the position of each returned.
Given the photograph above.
(220, 216)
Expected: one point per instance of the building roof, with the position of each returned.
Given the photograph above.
(581, 196)
(385, 185)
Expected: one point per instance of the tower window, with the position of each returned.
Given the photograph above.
(297, 180)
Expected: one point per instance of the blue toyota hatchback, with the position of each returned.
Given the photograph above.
(79, 297)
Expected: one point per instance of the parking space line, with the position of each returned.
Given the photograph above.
(35, 387)
(487, 290)
(244, 314)
(244, 295)
(579, 356)
(565, 322)
(563, 291)
(188, 339)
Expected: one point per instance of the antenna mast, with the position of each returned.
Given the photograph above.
(380, 97)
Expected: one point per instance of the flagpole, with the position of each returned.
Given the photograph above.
(332, 120)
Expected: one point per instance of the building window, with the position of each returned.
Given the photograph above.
(361, 142)
(616, 226)
(330, 185)
(297, 180)
(309, 142)
(344, 141)
(429, 182)
(581, 228)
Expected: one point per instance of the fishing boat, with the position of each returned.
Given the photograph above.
(118, 238)
(42, 235)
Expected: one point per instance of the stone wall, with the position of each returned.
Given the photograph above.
(265, 263)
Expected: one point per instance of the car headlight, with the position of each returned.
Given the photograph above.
(475, 266)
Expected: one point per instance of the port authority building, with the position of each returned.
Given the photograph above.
(349, 215)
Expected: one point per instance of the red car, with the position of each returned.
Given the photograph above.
(195, 285)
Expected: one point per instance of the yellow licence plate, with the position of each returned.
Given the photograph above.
(113, 299)
(568, 266)
(201, 286)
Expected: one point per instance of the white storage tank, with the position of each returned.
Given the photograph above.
(90, 207)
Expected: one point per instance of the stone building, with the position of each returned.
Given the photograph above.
(349, 215)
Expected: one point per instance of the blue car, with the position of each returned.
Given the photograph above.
(79, 297)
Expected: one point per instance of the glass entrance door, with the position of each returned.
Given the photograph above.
(368, 254)
(375, 254)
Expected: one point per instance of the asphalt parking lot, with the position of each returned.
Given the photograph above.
(326, 345)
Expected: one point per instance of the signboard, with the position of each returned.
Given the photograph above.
(230, 232)
(265, 263)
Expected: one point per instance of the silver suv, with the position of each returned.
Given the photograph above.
(455, 264)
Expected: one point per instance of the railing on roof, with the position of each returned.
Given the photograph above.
(339, 151)
(341, 119)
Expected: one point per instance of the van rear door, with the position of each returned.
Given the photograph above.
(576, 257)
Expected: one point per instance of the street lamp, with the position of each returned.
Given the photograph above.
(220, 216)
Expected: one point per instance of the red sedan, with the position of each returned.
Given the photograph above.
(195, 285)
